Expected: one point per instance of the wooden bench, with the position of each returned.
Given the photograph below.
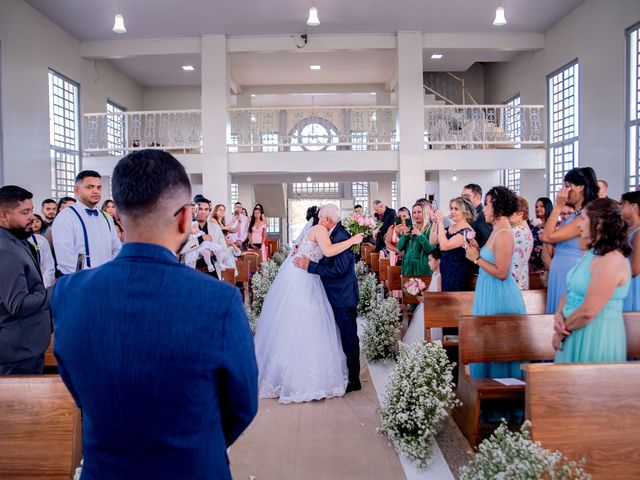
(229, 276)
(50, 361)
(536, 282)
(365, 251)
(374, 263)
(394, 278)
(383, 268)
(272, 247)
(499, 338)
(442, 309)
(632, 327)
(41, 435)
(243, 277)
(588, 411)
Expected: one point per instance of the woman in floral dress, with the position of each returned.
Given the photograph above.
(523, 244)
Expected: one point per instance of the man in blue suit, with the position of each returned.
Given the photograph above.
(158, 356)
(339, 279)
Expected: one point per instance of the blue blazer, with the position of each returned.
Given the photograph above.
(338, 273)
(160, 359)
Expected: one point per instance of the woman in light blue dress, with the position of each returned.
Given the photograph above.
(580, 188)
(631, 214)
(497, 292)
(589, 327)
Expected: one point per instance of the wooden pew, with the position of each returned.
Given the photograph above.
(499, 338)
(394, 275)
(243, 277)
(229, 276)
(536, 282)
(365, 251)
(272, 247)
(254, 259)
(383, 269)
(374, 263)
(442, 309)
(41, 435)
(588, 411)
(50, 361)
(632, 327)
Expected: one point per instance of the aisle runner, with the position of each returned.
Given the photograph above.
(327, 439)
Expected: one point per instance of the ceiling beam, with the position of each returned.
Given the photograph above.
(315, 43)
(484, 41)
(312, 89)
(136, 48)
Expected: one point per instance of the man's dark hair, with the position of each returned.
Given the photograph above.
(357, 206)
(141, 179)
(12, 195)
(198, 198)
(606, 184)
(204, 200)
(65, 200)
(475, 188)
(87, 174)
(237, 203)
(47, 201)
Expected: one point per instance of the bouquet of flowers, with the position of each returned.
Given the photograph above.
(536, 222)
(357, 223)
(414, 286)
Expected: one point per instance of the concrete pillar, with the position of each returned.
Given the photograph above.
(410, 118)
(215, 105)
(384, 192)
(245, 196)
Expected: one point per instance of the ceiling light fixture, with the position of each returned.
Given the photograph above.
(372, 93)
(454, 178)
(188, 68)
(500, 18)
(314, 67)
(118, 24)
(313, 20)
(437, 56)
(309, 179)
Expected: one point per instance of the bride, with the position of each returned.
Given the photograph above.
(298, 346)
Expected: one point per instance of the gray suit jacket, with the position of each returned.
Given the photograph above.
(25, 320)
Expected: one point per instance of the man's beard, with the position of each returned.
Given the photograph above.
(22, 233)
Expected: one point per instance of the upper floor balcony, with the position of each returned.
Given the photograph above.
(316, 129)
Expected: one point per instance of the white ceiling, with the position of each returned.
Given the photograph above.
(161, 70)
(93, 19)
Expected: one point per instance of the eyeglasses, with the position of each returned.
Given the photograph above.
(183, 207)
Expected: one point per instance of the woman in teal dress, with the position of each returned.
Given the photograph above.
(588, 326)
(580, 188)
(496, 290)
(631, 214)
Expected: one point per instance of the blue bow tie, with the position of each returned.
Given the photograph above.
(91, 211)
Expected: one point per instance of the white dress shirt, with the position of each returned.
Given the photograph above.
(243, 232)
(47, 264)
(68, 238)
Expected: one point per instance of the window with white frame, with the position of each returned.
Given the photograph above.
(394, 195)
(633, 107)
(322, 189)
(64, 133)
(511, 180)
(116, 129)
(360, 193)
(512, 123)
(562, 138)
(232, 143)
(359, 140)
(273, 225)
(270, 142)
(234, 193)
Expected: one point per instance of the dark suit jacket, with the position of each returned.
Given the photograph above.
(160, 359)
(481, 227)
(388, 217)
(338, 273)
(25, 321)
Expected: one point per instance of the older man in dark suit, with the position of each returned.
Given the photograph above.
(159, 357)
(387, 216)
(25, 322)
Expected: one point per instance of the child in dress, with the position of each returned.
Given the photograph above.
(435, 285)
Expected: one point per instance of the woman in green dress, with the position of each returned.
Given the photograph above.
(415, 243)
(589, 327)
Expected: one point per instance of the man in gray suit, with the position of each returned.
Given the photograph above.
(25, 321)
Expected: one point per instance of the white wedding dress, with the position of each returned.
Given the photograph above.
(298, 348)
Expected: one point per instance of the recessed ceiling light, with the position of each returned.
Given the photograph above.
(437, 56)
(308, 179)
(372, 93)
(253, 95)
(188, 68)
(314, 67)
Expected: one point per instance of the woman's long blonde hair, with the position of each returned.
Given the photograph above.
(424, 204)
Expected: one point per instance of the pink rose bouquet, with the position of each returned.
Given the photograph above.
(414, 286)
(357, 223)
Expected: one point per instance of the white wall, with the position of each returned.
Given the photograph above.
(593, 33)
(171, 98)
(31, 44)
(448, 189)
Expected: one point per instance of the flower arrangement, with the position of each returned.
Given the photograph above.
(252, 317)
(260, 284)
(536, 222)
(381, 329)
(418, 397)
(368, 286)
(357, 223)
(469, 234)
(361, 270)
(514, 455)
(414, 286)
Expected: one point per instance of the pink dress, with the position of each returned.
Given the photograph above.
(256, 237)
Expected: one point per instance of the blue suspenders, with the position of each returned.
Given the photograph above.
(84, 233)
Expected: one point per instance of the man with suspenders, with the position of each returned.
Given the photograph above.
(82, 235)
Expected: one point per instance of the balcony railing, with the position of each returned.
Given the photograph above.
(483, 126)
(178, 131)
(312, 129)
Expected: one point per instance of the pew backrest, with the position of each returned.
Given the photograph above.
(505, 338)
(229, 276)
(243, 270)
(395, 277)
(49, 358)
(588, 411)
(375, 262)
(41, 429)
(632, 327)
(384, 269)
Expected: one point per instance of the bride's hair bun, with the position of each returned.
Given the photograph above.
(312, 213)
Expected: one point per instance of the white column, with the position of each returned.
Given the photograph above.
(384, 192)
(215, 105)
(410, 118)
(245, 196)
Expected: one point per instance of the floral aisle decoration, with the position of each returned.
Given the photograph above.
(280, 256)
(419, 395)
(260, 284)
(361, 270)
(514, 455)
(381, 329)
(368, 287)
(414, 286)
(357, 223)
